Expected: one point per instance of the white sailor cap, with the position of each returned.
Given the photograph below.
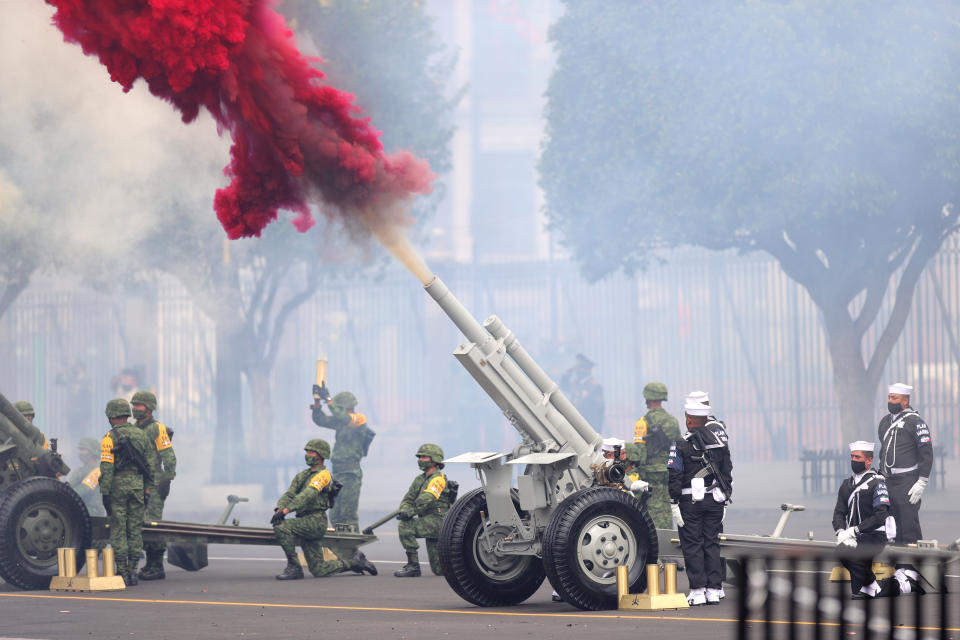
(692, 408)
(861, 445)
(610, 443)
(900, 389)
(698, 396)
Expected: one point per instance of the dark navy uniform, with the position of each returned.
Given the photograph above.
(702, 516)
(863, 502)
(719, 428)
(906, 454)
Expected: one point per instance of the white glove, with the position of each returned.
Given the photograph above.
(849, 542)
(639, 486)
(844, 536)
(724, 516)
(675, 509)
(917, 490)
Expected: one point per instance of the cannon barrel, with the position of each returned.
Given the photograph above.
(18, 421)
(32, 456)
(528, 397)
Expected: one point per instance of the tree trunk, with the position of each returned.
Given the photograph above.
(230, 456)
(258, 378)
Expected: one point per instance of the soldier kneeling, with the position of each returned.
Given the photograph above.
(422, 509)
(311, 493)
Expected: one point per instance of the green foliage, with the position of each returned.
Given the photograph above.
(824, 133)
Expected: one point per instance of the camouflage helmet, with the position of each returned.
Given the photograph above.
(118, 408)
(146, 398)
(655, 391)
(90, 444)
(318, 446)
(24, 407)
(434, 452)
(345, 400)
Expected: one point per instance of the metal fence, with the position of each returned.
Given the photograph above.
(735, 326)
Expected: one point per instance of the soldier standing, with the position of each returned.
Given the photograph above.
(160, 436)
(85, 479)
(422, 509)
(352, 443)
(859, 520)
(310, 494)
(27, 411)
(584, 391)
(652, 436)
(700, 480)
(127, 469)
(906, 459)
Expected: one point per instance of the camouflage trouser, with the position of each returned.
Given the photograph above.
(126, 522)
(308, 531)
(658, 505)
(427, 527)
(153, 513)
(345, 506)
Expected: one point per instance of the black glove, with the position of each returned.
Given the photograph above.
(320, 392)
(278, 517)
(164, 489)
(106, 505)
(403, 516)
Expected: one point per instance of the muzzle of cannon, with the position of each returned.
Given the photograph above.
(568, 517)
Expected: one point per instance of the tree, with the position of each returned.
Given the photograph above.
(823, 135)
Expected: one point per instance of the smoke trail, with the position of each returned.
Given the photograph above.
(295, 140)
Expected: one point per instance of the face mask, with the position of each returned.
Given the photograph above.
(311, 459)
(894, 408)
(858, 466)
(139, 414)
(424, 464)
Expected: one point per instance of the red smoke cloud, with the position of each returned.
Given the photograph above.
(294, 139)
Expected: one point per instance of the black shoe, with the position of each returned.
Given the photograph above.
(152, 573)
(130, 578)
(291, 572)
(861, 596)
(408, 571)
(359, 564)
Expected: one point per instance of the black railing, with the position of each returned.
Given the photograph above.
(825, 469)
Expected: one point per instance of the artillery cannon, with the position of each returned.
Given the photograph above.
(567, 519)
(39, 513)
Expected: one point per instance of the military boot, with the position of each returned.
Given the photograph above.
(411, 569)
(293, 570)
(359, 564)
(131, 578)
(153, 570)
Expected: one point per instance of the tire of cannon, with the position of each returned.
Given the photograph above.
(470, 563)
(37, 516)
(588, 536)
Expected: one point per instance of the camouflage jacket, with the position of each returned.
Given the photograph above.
(110, 464)
(428, 495)
(353, 437)
(309, 492)
(162, 439)
(645, 460)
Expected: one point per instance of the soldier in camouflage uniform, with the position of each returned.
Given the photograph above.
(85, 479)
(127, 470)
(144, 403)
(27, 411)
(310, 495)
(648, 453)
(421, 511)
(352, 443)
(583, 390)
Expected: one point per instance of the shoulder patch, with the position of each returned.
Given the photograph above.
(163, 439)
(93, 478)
(320, 480)
(106, 449)
(639, 429)
(357, 419)
(436, 486)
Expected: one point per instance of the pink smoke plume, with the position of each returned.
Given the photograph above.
(295, 140)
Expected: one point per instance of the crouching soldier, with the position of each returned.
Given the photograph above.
(422, 509)
(311, 493)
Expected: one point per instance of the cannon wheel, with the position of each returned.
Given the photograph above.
(588, 536)
(476, 574)
(38, 515)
